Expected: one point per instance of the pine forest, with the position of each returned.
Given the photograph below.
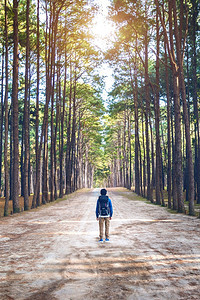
(60, 133)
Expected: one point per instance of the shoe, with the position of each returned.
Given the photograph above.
(101, 240)
(107, 240)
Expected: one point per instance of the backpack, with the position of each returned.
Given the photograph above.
(104, 210)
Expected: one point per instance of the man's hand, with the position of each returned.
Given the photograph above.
(97, 219)
(110, 218)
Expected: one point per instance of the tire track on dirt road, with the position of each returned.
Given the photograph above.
(53, 253)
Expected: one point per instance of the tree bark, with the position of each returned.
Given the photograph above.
(177, 171)
(1, 117)
(169, 179)
(68, 152)
(178, 35)
(37, 105)
(157, 116)
(26, 113)
(15, 193)
(62, 127)
(6, 167)
(194, 94)
(147, 113)
(137, 170)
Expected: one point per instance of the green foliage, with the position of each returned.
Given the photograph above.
(98, 129)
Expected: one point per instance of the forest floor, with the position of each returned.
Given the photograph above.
(53, 252)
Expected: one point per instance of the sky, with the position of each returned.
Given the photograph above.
(103, 29)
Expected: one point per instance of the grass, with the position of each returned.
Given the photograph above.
(120, 190)
(21, 203)
(133, 196)
(10, 206)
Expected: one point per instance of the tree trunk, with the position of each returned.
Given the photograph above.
(26, 113)
(157, 117)
(22, 158)
(152, 163)
(6, 167)
(185, 110)
(137, 170)
(144, 160)
(62, 128)
(68, 152)
(169, 179)
(57, 131)
(1, 118)
(124, 150)
(73, 135)
(147, 114)
(15, 193)
(194, 94)
(10, 118)
(140, 155)
(177, 171)
(37, 105)
(129, 148)
(135, 98)
(178, 151)
(52, 84)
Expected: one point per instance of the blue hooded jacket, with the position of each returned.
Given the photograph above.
(110, 207)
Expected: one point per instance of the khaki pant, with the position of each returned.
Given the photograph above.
(107, 224)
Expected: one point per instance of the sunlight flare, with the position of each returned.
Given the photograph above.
(102, 28)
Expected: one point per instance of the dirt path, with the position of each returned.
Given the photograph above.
(53, 252)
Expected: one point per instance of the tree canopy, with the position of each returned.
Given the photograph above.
(58, 135)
